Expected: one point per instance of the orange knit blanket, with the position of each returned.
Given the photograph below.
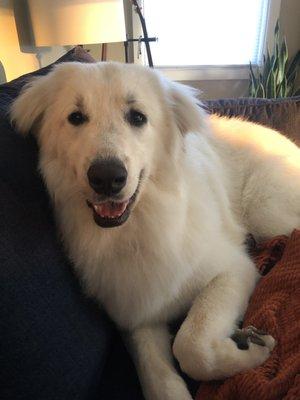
(274, 307)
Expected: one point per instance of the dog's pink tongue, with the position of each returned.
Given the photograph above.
(110, 209)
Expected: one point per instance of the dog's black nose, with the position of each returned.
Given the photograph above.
(107, 176)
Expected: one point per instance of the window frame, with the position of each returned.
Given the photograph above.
(212, 72)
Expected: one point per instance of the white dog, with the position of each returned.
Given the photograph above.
(154, 199)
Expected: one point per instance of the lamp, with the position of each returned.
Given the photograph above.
(14, 62)
(70, 22)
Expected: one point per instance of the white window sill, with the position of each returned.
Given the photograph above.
(206, 72)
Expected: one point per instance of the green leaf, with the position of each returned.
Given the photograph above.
(276, 39)
(276, 50)
(294, 64)
(291, 78)
(252, 87)
(275, 69)
(284, 55)
(260, 91)
(266, 67)
(263, 90)
(268, 60)
(273, 61)
(283, 88)
(271, 85)
(296, 92)
(277, 28)
(253, 82)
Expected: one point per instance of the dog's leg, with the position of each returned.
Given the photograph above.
(151, 350)
(208, 345)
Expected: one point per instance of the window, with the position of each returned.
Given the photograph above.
(208, 36)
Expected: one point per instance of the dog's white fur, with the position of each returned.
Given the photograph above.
(207, 182)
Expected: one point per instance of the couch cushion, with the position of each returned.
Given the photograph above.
(280, 114)
(53, 340)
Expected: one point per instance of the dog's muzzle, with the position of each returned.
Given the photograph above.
(107, 178)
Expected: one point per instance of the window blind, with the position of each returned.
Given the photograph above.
(206, 32)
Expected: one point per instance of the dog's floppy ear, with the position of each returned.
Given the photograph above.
(186, 107)
(28, 107)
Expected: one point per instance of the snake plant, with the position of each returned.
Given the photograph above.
(277, 76)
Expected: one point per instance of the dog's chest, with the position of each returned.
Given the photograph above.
(143, 271)
(135, 285)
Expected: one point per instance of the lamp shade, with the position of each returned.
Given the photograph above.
(69, 22)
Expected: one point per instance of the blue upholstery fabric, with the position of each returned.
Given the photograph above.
(55, 344)
(53, 341)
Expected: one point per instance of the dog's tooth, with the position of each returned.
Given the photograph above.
(97, 208)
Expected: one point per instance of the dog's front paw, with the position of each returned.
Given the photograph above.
(243, 337)
(208, 358)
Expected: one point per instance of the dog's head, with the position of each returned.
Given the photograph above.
(103, 130)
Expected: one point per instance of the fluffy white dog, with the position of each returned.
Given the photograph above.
(154, 199)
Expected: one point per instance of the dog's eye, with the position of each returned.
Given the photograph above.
(136, 118)
(77, 118)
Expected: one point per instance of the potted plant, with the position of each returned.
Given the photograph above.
(277, 77)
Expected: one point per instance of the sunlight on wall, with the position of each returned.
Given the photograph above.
(15, 62)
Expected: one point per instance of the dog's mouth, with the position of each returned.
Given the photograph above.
(110, 213)
(110, 209)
